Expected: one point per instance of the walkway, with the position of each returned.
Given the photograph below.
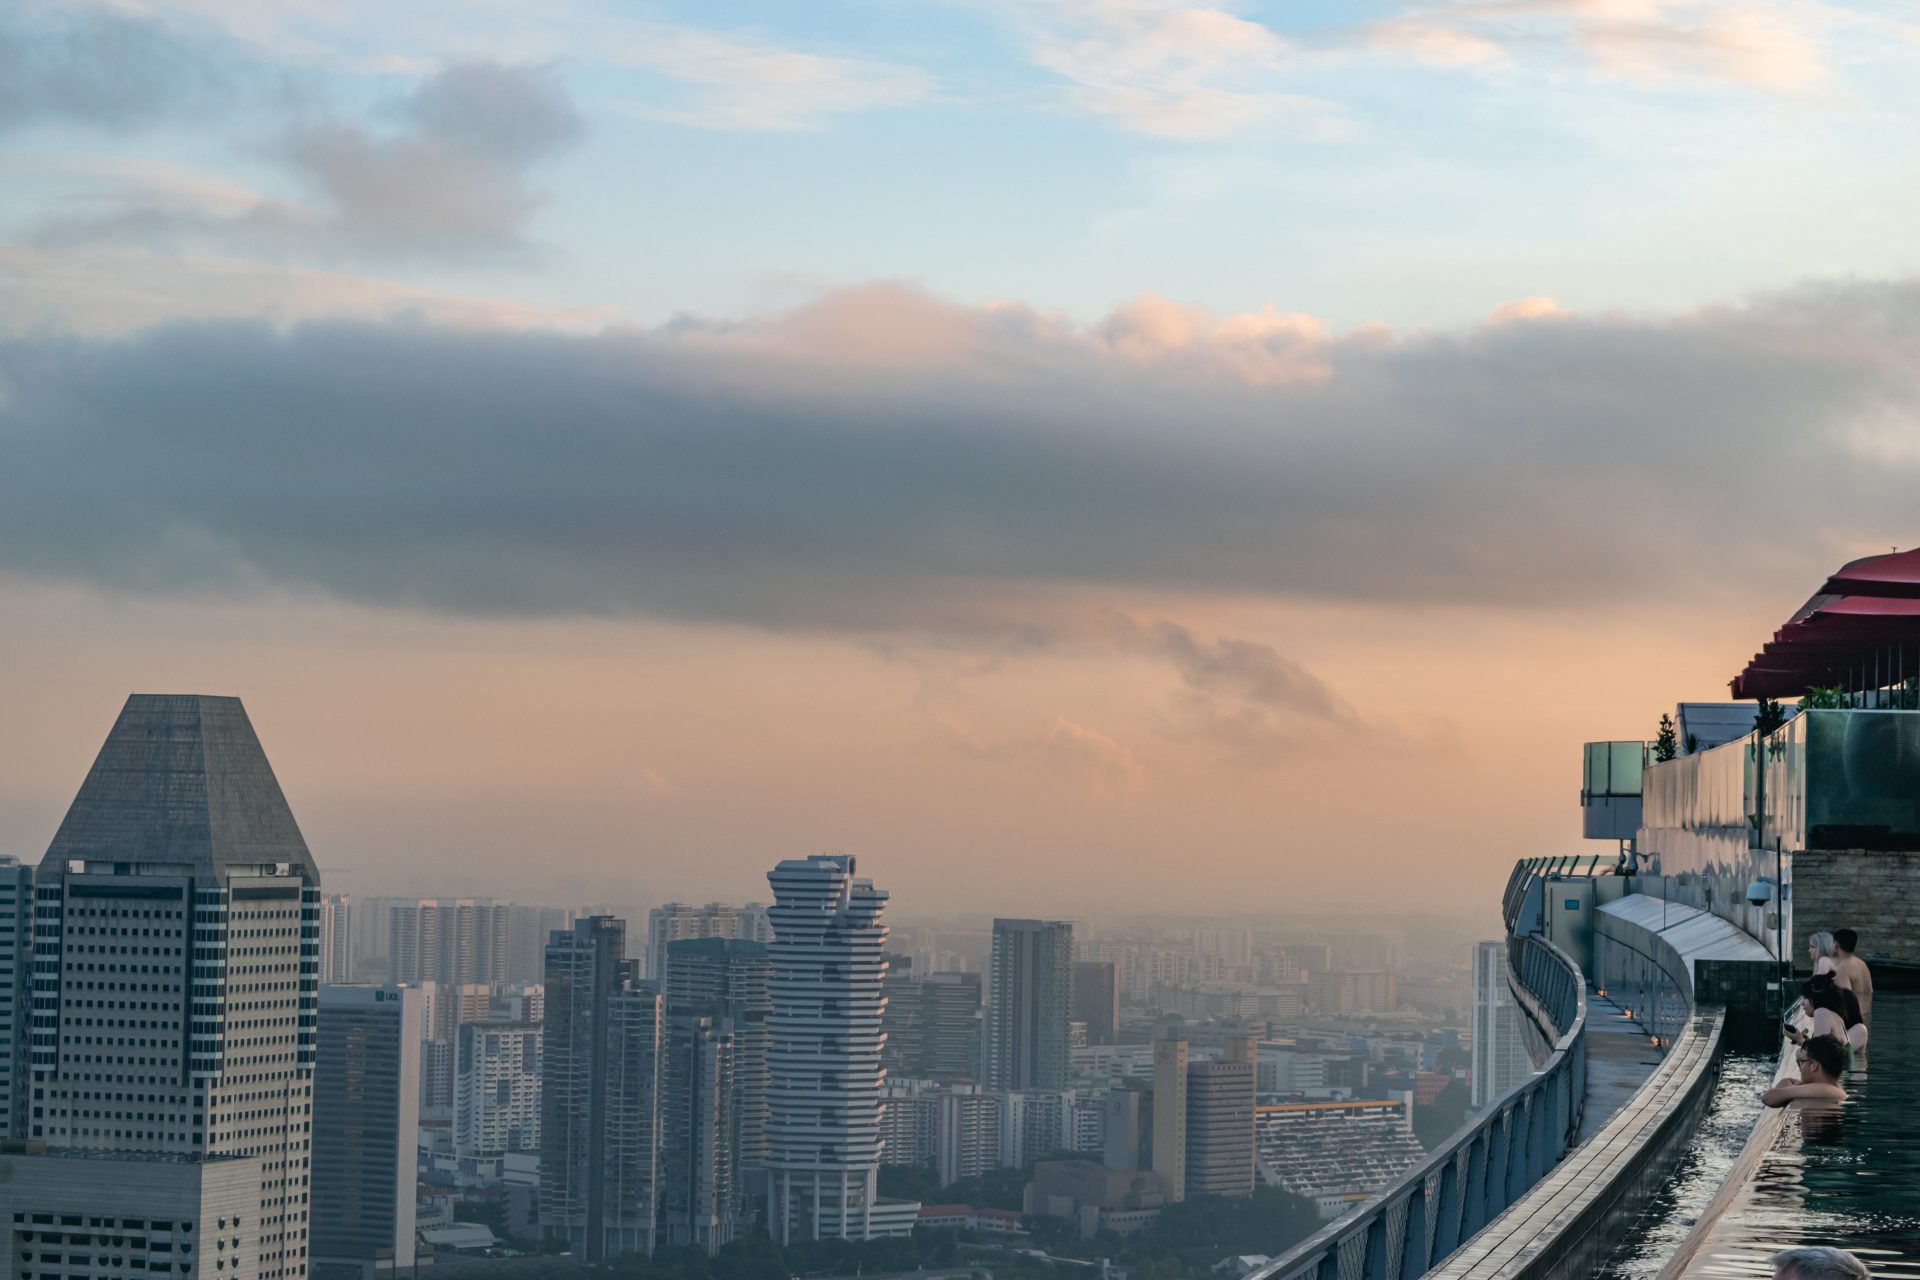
(1620, 1057)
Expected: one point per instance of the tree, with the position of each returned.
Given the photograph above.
(1433, 1125)
(1667, 745)
(1768, 716)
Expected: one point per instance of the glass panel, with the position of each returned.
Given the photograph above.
(1628, 760)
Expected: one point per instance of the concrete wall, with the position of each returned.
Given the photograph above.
(1874, 892)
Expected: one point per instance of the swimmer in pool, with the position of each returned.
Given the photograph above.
(1821, 1061)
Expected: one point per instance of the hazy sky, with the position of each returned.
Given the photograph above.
(1075, 454)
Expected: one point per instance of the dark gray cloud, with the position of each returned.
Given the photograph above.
(882, 461)
(104, 67)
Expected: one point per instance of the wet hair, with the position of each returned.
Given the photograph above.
(1824, 993)
(1847, 940)
(1818, 1263)
(1822, 944)
(1826, 1052)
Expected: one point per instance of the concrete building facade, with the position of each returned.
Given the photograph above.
(366, 1107)
(1029, 1005)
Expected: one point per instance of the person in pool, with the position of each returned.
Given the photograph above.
(1818, 1262)
(1834, 1014)
(1852, 971)
(1821, 1061)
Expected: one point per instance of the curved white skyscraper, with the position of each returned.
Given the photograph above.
(825, 1077)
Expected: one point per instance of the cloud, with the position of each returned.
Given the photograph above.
(1650, 43)
(744, 82)
(104, 67)
(1108, 766)
(453, 177)
(1015, 467)
(1522, 310)
(1230, 669)
(1173, 70)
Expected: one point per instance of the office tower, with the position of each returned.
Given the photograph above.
(365, 1110)
(1120, 1123)
(1220, 1142)
(16, 967)
(448, 1007)
(456, 940)
(1170, 1117)
(600, 1095)
(728, 978)
(950, 1026)
(967, 1134)
(1029, 1004)
(175, 984)
(496, 1096)
(826, 1078)
(697, 1200)
(336, 939)
(1096, 999)
(1499, 1056)
(676, 922)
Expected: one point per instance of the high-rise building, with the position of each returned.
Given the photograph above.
(1499, 1055)
(175, 984)
(456, 940)
(447, 1007)
(826, 1079)
(902, 1021)
(1096, 999)
(727, 978)
(968, 1134)
(527, 931)
(697, 1201)
(366, 1101)
(1220, 1145)
(16, 968)
(1029, 1004)
(950, 1027)
(1170, 1117)
(496, 1095)
(336, 939)
(600, 1095)
(677, 921)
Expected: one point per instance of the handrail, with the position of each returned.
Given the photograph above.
(1441, 1203)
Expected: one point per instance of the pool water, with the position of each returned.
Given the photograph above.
(1699, 1173)
(1846, 1175)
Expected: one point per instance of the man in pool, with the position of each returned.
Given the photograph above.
(1852, 972)
(1817, 1263)
(1821, 1062)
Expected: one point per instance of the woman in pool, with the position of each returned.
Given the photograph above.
(1834, 1016)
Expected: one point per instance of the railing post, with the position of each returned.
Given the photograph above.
(1446, 1221)
(1374, 1266)
(1501, 1137)
(1473, 1204)
(1413, 1252)
(1519, 1147)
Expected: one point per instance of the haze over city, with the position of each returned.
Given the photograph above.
(1168, 456)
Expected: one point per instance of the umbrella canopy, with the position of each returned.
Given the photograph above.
(1853, 641)
(1894, 574)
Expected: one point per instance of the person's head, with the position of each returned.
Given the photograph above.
(1846, 940)
(1821, 1061)
(1820, 946)
(1817, 1263)
(1823, 993)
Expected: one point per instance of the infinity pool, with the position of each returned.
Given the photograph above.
(1846, 1175)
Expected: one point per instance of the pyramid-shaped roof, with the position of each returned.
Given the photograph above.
(181, 779)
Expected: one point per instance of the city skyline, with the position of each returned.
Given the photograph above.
(1352, 385)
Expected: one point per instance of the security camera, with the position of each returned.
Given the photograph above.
(1759, 893)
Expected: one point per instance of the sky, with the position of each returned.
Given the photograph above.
(1077, 455)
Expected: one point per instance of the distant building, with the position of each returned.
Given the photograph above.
(909, 1122)
(451, 940)
(967, 1140)
(727, 978)
(676, 921)
(1352, 992)
(1029, 1004)
(827, 1080)
(496, 1106)
(950, 1027)
(366, 1102)
(337, 952)
(1335, 1153)
(1122, 1142)
(600, 1095)
(1096, 999)
(1220, 1147)
(1500, 1058)
(698, 1206)
(1169, 1131)
(1093, 1197)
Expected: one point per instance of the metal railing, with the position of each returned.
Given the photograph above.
(1463, 1185)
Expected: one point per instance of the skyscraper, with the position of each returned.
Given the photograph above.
(600, 1095)
(727, 978)
(826, 1079)
(1499, 1056)
(950, 1026)
(697, 1201)
(496, 1096)
(16, 967)
(366, 1106)
(175, 986)
(1096, 999)
(1029, 1004)
(1170, 1117)
(456, 940)
(337, 954)
(1220, 1144)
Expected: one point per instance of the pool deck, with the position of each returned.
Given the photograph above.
(1620, 1057)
